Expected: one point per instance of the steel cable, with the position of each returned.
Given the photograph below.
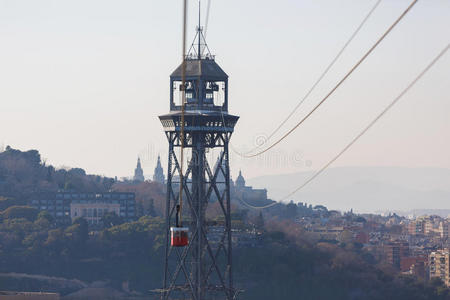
(338, 84)
(183, 109)
(364, 131)
(325, 72)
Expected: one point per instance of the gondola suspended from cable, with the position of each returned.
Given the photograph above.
(179, 236)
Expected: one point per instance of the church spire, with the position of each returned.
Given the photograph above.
(139, 172)
(158, 175)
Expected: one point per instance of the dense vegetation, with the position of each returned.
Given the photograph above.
(286, 265)
(289, 266)
(23, 173)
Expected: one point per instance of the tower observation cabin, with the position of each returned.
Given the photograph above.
(206, 84)
(206, 96)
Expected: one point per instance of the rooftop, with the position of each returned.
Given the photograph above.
(205, 68)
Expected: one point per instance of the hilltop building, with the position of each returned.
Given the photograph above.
(158, 175)
(240, 181)
(239, 190)
(247, 193)
(138, 172)
(67, 206)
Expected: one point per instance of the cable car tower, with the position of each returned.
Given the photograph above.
(196, 267)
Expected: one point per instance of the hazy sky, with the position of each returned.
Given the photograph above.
(84, 81)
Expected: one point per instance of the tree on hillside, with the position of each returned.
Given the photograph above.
(145, 192)
(111, 219)
(17, 212)
(6, 202)
(47, 216)
(78, 231)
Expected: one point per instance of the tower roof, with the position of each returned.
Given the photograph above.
(199, 61)
(205, 68)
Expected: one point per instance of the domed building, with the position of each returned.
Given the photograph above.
(240, 181)
(239, 190)
(248, 193)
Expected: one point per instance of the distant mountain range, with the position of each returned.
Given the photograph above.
(366, 189)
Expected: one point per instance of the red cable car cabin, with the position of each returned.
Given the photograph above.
(179, 236)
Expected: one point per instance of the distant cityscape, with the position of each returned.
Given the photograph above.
(66, 216)
(418, 246)
(414, 245)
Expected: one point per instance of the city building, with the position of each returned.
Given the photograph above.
(92, 211)
(138, 172)
(407, 262)
(158, 175)
(247, 193)
(327, 232)
(65, 206)
(239, 190)
(438, 262)
(394, 252)
(443, 229)
(416, 227)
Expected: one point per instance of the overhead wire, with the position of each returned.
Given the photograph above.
(207, 18)
(338, 84)
(183, 110)
(410, 85)
(319, 79)
(242, 200)
(368, 127)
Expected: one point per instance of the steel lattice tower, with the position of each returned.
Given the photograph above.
(202, 269)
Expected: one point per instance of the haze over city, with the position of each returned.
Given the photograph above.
(84, 81)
